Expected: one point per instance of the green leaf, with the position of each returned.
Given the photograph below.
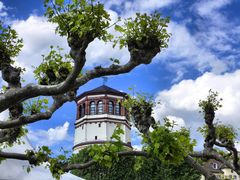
(28, 169)
(59, 2)
(118, 28)
(107, 158)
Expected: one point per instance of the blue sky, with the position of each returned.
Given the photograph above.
(203, 53)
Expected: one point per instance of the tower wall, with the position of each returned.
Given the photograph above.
(98, 127)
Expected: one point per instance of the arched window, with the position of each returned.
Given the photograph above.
(118, 109)
(83, 110)
(100, 107)
(214, 165)
(110, 107)
(92, 108)
(80, 111)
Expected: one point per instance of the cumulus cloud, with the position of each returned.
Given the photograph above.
(221, 34)
(38, 35)
(50, 136)
(177, 122)
(99, 52)
(181, 100)
(210, 46)
(184, 51)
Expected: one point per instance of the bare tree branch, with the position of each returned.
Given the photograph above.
(212, 155)
(14, 96)
(68, 167)
(208, 175)
(23, 120)
(78, 166)
(17, 156)
(231, 148)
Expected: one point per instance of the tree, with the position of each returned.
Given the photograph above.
(133, 168)
(59, 77)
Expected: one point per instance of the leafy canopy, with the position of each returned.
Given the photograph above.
(10, 44)
(9, 40)
(212, 102)
(87, 18)
(106, 154)
(170, 147)
(145, 29)
(54, 68)
(162, 142)
(224, 133)
(79, 18)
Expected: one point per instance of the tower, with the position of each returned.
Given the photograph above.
(99, 111)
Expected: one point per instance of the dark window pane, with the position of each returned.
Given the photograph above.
(110, 107)
(118, 109)
(92, 108)
(82, 110)
(100, 107)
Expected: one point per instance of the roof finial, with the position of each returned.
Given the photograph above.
(105, 79)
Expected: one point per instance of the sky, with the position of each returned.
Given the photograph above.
(203, 54)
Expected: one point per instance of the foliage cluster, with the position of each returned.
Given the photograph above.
(54, 68)
(224, 133)
(10, 44)
(43, 156)
(144, 30)
(211, 103)
(35, 105)
(79, 18)
(167, 145)
(128, 168)
(106, 154)
(162, 142)
(86, 18)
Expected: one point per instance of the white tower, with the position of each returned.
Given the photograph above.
(98, 113)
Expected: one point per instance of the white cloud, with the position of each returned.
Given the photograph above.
(3, 13)
(181, 100)
(210, 46)
(218, 29)
(150, 5)
(38, 35)
(1, 5)
(207, 7)
(19, 171)
(99, 52)
(177, 122)
(19, 168)
(184, 51)
(128, 7)
(58, 133)
(137, 147)
(51, 136)
(4, 115)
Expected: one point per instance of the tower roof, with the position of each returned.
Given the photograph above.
(102, 90)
